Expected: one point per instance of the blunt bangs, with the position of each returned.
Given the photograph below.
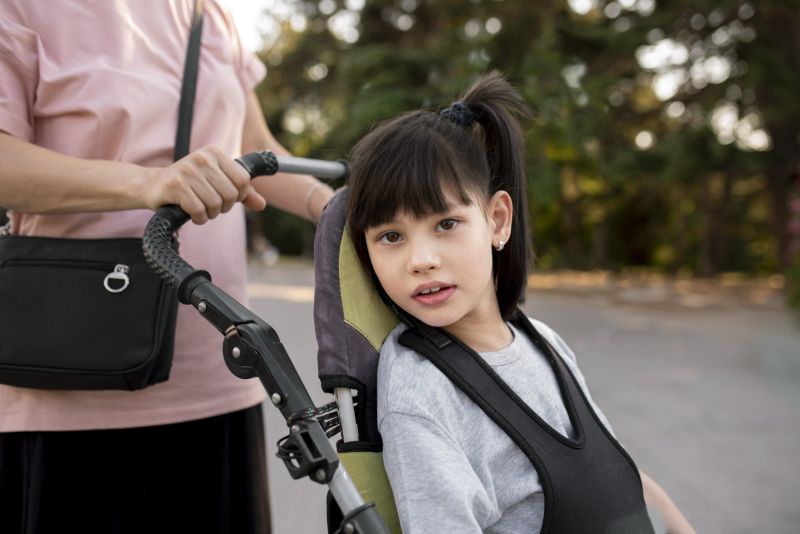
(408, 166)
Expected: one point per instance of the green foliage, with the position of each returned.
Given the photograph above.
(618, 175)
(293, 236)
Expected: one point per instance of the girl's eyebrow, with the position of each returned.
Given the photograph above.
(381, 226)
(453, 206)
(449, 207)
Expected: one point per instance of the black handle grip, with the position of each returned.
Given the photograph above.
(157, 239)
(156, 245)
(166, 221)
(259, 163)
(255, 163)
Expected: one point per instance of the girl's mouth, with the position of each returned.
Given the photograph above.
(434, 296)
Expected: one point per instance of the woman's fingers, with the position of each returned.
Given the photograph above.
(238, 176)
(206, 183)
(208, 195)
(253, 200)
(195, 207)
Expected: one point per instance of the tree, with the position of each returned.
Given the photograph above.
(665, 135)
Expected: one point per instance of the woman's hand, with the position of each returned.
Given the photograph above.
(204, 184)
(37, 180)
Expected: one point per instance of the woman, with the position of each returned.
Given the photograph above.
(89, 97)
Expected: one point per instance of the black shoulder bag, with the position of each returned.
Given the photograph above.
(90, 313)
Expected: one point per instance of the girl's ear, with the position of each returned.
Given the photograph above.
(501, 213)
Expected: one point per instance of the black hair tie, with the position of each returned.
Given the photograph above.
(459, 113)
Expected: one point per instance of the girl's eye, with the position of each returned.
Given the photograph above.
(390, 237)
(447, 224)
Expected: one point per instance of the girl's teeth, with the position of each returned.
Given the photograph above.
(431, 290)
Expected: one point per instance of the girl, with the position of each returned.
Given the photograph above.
(438, 215)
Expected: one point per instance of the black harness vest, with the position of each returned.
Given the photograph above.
(590, 483)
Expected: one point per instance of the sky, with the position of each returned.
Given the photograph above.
(247, 15)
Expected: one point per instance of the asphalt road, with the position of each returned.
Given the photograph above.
(707, 401)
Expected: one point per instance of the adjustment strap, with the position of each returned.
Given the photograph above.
(327, 416)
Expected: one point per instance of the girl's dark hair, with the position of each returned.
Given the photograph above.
(407, 163)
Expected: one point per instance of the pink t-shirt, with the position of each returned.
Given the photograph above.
(101, 80)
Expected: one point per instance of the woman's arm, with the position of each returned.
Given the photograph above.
(655, 496)
(301, 195)
(205, 183)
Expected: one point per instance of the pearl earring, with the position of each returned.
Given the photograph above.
(500, 245)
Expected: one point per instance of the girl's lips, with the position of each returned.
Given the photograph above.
(434, 299)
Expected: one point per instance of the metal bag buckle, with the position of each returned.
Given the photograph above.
(120, 273)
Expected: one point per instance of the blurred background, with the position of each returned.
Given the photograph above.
(664, 179)
(665, 134)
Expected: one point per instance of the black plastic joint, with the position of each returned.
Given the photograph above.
(346, 175)
(310, 456)
(189, 283)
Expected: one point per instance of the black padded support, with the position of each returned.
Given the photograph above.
(589, 482)
(467, 370)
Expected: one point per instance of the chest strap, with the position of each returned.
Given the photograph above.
(589, 484)
(476, 378)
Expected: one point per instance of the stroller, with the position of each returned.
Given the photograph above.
(252, 348)
(351, 322)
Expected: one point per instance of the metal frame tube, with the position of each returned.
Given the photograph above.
(347, 414)
(271, 363)
(344, 491)
(314, 167)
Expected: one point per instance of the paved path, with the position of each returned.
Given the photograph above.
(706, 400)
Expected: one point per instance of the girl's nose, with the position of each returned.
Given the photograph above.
(423, 257)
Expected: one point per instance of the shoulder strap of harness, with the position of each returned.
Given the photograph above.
(470, 373)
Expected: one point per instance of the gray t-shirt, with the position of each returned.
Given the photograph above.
(451, 468)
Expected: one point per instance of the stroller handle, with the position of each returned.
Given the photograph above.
(252, 348)
(157, 237)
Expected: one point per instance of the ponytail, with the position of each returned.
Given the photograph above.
(497, 106)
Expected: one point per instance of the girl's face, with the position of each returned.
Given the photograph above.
(438, 268)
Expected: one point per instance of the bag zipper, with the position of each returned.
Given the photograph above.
(115, 272)
(42, 262)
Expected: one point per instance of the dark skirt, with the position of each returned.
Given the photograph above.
(208, 475)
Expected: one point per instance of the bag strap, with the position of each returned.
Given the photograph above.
(189, 84)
